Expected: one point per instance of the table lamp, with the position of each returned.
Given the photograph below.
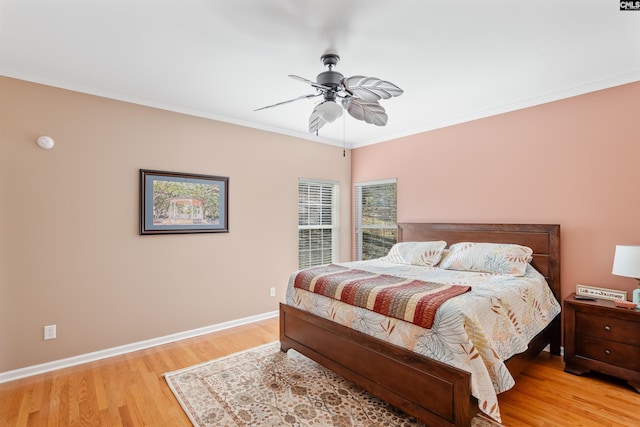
(626, 262)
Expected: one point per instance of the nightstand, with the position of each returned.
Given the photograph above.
(602, 337)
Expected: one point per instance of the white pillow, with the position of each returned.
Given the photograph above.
(416, 253)
(497, 258)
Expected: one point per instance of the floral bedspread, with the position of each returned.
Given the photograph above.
(476, 331)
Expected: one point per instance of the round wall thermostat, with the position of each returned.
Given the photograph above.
(45, 142)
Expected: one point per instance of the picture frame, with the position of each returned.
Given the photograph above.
(179, 203)
(602, 293)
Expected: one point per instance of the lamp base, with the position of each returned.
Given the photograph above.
(636, 293)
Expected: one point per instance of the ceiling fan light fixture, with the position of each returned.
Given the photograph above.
(329, 111)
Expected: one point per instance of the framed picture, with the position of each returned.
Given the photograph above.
(173, 202)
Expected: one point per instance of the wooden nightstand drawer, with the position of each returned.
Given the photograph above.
(602, 337)
(622, 331)
(614, 353)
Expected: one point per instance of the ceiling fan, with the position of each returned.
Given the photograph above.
(359, 95)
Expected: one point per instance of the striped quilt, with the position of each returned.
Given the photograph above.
(411, 300)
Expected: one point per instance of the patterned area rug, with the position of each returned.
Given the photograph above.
(266, 387)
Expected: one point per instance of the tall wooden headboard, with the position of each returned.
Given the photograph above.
(544, 239)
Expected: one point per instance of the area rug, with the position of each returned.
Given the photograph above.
(266, 387)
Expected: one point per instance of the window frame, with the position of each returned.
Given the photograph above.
(334, 226)
(358, 211)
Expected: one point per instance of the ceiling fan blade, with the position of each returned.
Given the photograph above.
(369, 112)
(315, 121)
(314, 84)
(291, 100)
(371, 88)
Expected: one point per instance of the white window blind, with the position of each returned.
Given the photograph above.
(375, 218)
(317, 222)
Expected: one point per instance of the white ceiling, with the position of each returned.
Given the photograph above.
(455, 60)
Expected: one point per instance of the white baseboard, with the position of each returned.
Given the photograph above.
(128, 348)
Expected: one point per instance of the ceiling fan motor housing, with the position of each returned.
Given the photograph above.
(331, 79)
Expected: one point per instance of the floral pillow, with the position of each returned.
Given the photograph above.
(416, 253)
(497, 258)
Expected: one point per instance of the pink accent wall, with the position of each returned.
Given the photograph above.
(574, 162)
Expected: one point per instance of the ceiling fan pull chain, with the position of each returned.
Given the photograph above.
(344, 139)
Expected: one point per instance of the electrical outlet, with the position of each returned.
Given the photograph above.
(272, 292)
(49, 332)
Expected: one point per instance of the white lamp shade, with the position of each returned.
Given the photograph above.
(329, 111)
(626, 261)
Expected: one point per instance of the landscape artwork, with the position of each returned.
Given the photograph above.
(174, 202)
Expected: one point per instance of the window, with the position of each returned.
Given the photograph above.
(375, 218)
(317, 222)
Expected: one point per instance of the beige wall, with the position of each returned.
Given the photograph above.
(572, 162)
(70, 252)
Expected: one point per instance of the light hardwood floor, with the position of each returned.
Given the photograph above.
(129, 390)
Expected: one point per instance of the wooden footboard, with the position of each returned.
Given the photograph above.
(431, 391)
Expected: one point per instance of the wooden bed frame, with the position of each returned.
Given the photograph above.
(433, 392)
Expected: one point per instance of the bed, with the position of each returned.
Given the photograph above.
(434, 392)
